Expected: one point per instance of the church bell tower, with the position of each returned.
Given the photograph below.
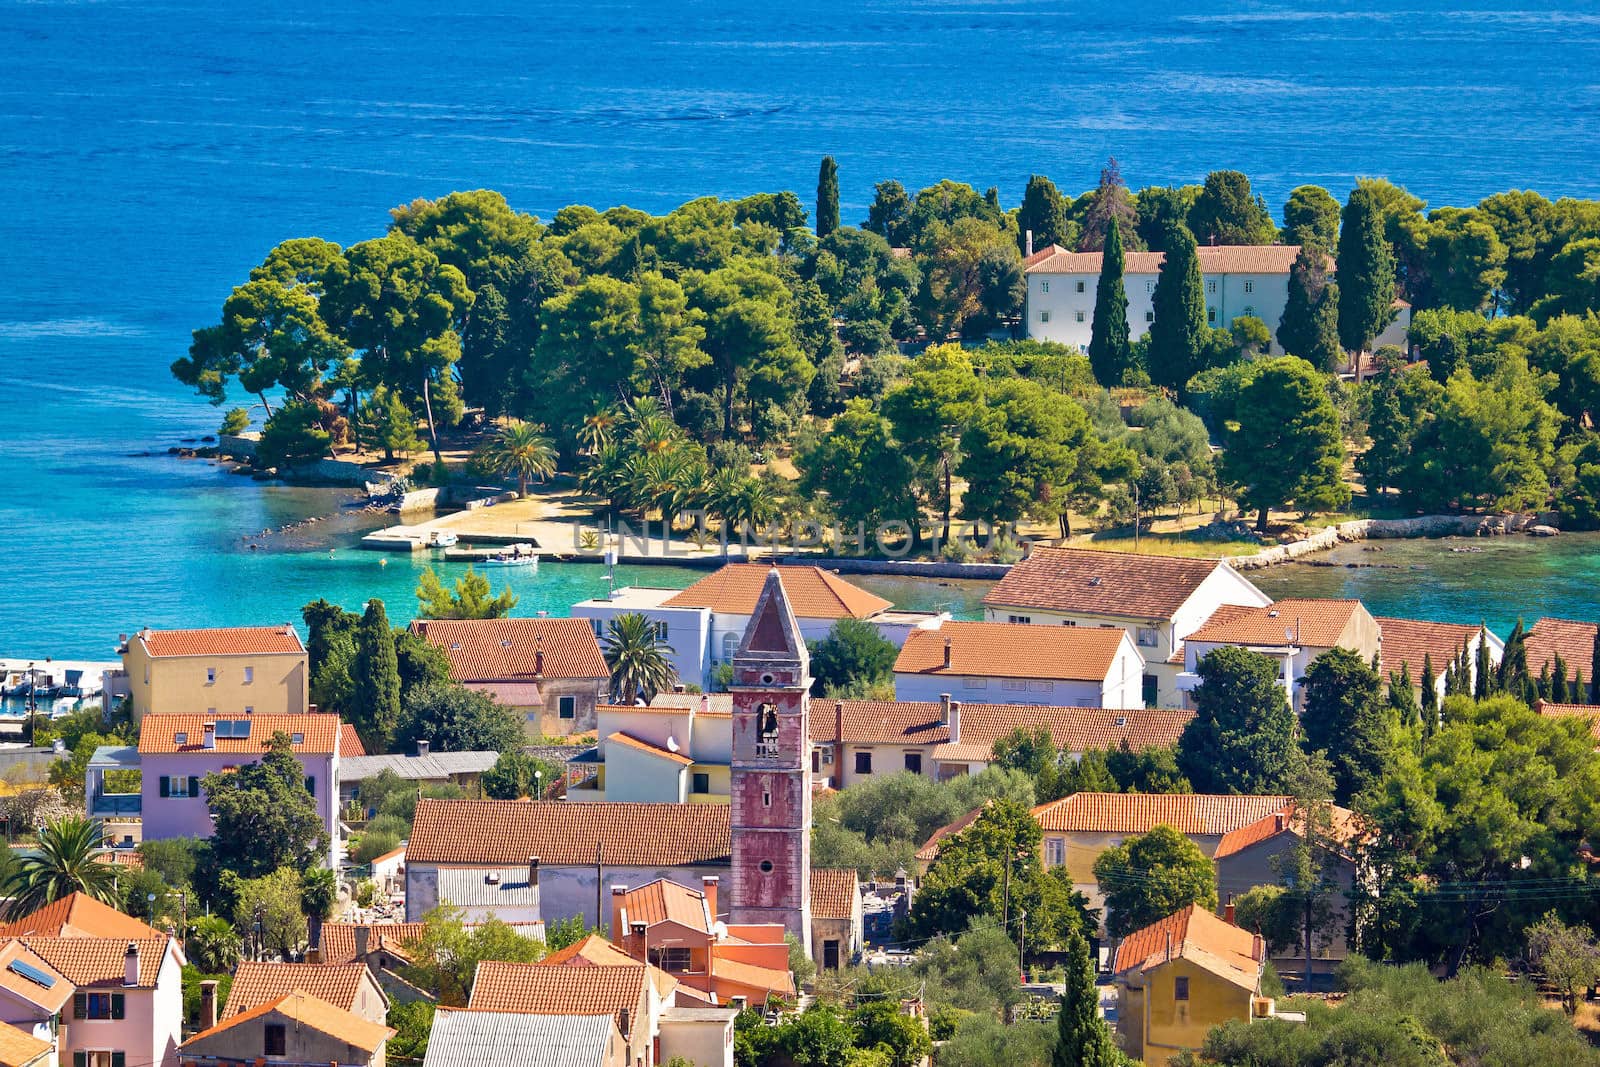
(770, 776)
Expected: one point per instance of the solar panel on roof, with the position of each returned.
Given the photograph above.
(31, 973)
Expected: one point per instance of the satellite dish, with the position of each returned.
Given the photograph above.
(1288, 635)
(672, 744)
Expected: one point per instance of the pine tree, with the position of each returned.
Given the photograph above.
(1483, 670)
(827, 197)
(376, 704)
(1366, 272)
(1043, 214)
(1082, 1037)
(1180, 314)
(1310, 324)
(1110, 350)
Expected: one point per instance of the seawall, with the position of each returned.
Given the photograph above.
(1389, 529)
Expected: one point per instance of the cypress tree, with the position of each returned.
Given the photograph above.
(1180, 314)
(1043, 213)
(1558, 680)
(1366, 272)
(1594, 669)
(827, 197)
(1430, 696)
(1542, 687)
(1483, 670)
(1082, 1037)
(1110, 350)
(1577, 690)
(1508, 676)
(1530, 691)
(377, 697)
(1310, 324)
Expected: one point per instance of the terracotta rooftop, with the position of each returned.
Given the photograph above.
(667, 901)
(159, 734)
(18, 1049)
(592, 950)
(1137, 813)
(350, 742)
(930, 848)
(225, 641)
(620, 738)
(100, 961)
(813, 593)
(491, 650)
(1081, 581)
(834, 891)
(506, 832)
(1013, 650)
(1411, 641)
(312, 1013)
(1342, 828)
(1214, 259)
(51, 998)
(1196, 935)
(537, 989)
(255, 984)
(1589, 712)
(339, 939)
(1317, 623)
(79, 915)
(1572, 641)
(749, 974)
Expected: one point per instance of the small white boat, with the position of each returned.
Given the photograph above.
(439, 539)
(517, 555)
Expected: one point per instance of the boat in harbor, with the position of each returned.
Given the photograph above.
(439, 539)
(520, 554)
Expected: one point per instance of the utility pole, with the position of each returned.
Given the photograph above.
(1022, 941)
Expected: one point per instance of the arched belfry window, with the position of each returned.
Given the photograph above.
(766, 729)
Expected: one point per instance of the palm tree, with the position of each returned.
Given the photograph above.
(521, 448)
(69, 859)
(638, 658)
(213, 945)
(599, 427)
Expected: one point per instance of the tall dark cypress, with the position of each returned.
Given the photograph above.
(1483, 671)
(1594, 669)
(1430, 696)
(1082, 1038)
(827, 197)
(1180, 314)
(1507, 675)
(1366, 272)
(1558, 680)
(377, 678)
(1110, 349)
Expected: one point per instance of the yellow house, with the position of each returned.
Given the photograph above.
(228, 672)
(1179, 977)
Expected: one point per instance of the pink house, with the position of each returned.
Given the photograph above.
(177, 751)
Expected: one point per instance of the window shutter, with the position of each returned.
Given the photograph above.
(194, 786)
(119, 1059)
(117, 1006)
(311, 785)
(80, 1005)
(80, 1058)
(166, 786)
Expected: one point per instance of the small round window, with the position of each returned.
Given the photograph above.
(766, 866)
(766, 679)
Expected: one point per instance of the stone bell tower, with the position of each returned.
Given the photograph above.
(770, 773)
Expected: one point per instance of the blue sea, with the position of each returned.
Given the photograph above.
(151, 152)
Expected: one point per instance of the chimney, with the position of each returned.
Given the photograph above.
(210, 739)
(208, 1004)
(1227, 911)
(619, 915)
(1277, 822)
(944, 709)
(538, 661)
(1028, 243)
(955, 722)
(422, 748)
(705, 703)
(130, 965)
(363, 934)
(708, 886)
(533, 871)
(947, 653)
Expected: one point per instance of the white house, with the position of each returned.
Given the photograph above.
(703, 623)
(1293, 631)
(657, 755)
(1158, 600)
(1411, 643)
(999, 662)
(1238, 280)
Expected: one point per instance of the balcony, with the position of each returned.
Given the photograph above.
(112, 770)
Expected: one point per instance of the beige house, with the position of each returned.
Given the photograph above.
(551, 670)
(1412, 643)
(1014, 663)
(836, 918)
(1158, 600)
(659, 754)
(1294, 632)
(1258, 854)
(296, 1028)
(233, 671)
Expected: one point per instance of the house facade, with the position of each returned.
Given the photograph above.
(1293, 631)
(1083, 667)
(233, 671)
(349, 987)
(1158, 600)
(1412, 643)
(659, 754)
(1261, 853)
(296, 1028)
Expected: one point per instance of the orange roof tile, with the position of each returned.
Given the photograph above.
(1138, 813)
(834, 892)
(93, 961)
(1200, 937)
(18, 1049)
(506, 832)
(339, 939)
(79, 915)
(500, 650)
(1589, 712)
(350, 742)
(541, 990)
(637, 745)
(1572, 641)
(1317, 623)
(1342, 828)
(123, 857)
(865, 722)
(667, 901)
(1013, 650)
(813, 593)
(930, 848)
(158, 734)
(1082, 581)
(255, 984)
(774, 981)
(50, 999)
(1214, 259)
(591, 950)
(223, 641)
(1412, 641)
(311, 1012)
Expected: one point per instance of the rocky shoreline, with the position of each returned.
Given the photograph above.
(1423, 526)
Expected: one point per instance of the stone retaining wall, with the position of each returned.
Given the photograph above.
(1386, 529)
(914, 568)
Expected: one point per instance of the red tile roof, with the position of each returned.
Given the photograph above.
(313, 1013)
(930, 848)
(813, 593)
(255, 984)
(1138, 813)
(1196, 935)
(1013, 650)
(1082, 581)
(51, 999)
(834, 892)
(535, 989)
(1588, 712)
(646, 747)
(1572, 641)
(501, 650)
(339, 939)
(158, 734)
(667, 901)
(79, 915)
(225, 641)
(1412, 641)
(18, 1049)
(99, 961)
(1342, 828)
(350, 742)
(1214, 259)
(591, 950)
(1317, 623)
(774, 981)
(507, 832)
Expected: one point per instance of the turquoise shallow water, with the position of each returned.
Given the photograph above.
(152, 151)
